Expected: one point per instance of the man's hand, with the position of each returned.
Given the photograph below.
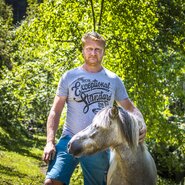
(142, 133)
(49, 152)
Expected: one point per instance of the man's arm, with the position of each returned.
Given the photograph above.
(129, 106)
(52, 126)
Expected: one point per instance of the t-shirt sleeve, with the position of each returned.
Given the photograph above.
(62, 89)
(121, 92)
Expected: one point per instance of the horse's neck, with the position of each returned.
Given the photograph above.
(123, 154)
(122, 159)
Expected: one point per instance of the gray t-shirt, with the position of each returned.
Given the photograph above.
(87, 93)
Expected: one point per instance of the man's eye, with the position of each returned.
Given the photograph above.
(97, 50)
(89, 49)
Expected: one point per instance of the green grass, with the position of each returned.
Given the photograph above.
(20, 159)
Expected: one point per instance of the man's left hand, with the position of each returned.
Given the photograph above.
(142, 133)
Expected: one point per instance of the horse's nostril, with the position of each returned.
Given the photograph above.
(74, 147)
(68, 145)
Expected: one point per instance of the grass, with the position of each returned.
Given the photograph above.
(20, 159)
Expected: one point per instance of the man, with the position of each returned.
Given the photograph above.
(85, 90)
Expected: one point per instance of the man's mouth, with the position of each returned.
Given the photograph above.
(92, 58)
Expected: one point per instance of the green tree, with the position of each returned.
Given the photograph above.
(5, 35)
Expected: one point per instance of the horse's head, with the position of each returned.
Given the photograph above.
(101, 134)
(110, 128)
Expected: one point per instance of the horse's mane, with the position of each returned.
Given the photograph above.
(129, 127)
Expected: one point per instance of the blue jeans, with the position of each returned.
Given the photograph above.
(94, 167)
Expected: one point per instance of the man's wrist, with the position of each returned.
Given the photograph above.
(50, 142)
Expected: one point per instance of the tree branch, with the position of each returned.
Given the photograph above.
(94, 20)
(101, 13)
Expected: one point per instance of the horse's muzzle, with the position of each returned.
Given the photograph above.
(74, 148)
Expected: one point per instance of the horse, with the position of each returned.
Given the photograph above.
(117, 130)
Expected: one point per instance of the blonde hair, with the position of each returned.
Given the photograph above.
(93, 36)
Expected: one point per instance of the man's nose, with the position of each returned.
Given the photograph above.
(93, 52)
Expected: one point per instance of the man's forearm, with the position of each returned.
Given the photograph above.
(52, 126)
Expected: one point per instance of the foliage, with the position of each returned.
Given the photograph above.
(145, 47)
(168, 151)
(5, 35)
(77, 177)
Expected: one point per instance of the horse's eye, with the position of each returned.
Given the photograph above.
(96, 126)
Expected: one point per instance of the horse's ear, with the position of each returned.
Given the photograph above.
(114, 111)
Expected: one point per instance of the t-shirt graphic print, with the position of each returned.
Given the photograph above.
(91, 92)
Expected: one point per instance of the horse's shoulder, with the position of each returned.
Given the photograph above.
(143, 147)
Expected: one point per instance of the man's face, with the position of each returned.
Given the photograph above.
(93, 52)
